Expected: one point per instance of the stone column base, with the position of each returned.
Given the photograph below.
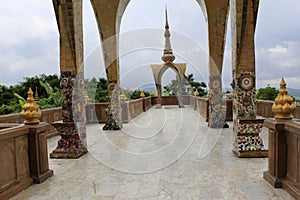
(70, 145)
(248, 143)
(112, 121)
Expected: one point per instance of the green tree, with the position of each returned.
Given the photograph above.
(267, 93)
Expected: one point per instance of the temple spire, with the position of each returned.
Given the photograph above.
(168, 53)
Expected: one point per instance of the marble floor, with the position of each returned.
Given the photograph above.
(167, 153)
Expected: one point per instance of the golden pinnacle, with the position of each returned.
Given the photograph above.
(31, 111)
(196, 93)
(284, 104)
(151, 93)
(142, 95)
(123, 97)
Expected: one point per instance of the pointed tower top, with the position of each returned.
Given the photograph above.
(167, 22)
(168, 53)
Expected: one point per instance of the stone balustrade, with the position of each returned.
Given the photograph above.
(23, 158)
(284, 156)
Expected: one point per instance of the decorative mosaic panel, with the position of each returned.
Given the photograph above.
(67, 86)
(70, 145)
(79, 103)
(249, 128)
(216, 113)
(249, 143)
(114, 111)
(245, 104)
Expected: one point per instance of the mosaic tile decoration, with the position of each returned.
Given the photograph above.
(114, 111)
(70, 145)
(246, 125)
(249, 128)
(245, 107)
(249, 143)
(67, 86)
(73, 142)
(216, 113)
(78, 104)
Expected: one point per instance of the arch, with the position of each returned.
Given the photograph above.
(159, 70)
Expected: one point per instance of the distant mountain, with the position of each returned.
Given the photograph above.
(294, 92)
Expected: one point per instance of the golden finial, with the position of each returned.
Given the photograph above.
(31, 111)
(190, 92)
(86, 97)
(208, 95)
(196, 93)
(151, 93)
(284, 104)
(142, 95)
(123, 97)
(36, 95)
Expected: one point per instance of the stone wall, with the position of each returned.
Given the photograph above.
(95, 112)
(264, 109)
(48, 115)
(24, 150)
(135, 108)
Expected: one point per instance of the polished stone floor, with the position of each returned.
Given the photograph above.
(167, 153)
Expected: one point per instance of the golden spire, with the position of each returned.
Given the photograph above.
(168, 52)
(142, 95)
(31, 111)
(284, 104)
(36, 96)
(196, 93)
(167, 22)
(123, 97)
(86, 97)
(151, 93)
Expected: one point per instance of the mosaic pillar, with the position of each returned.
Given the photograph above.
(73, 128)
(216, 110)
(246, 125)
(180, 86)
(114, 111)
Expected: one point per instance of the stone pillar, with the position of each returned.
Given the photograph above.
(217, 13)
(216, 111)
(246, 125)
(73, 128)
(114, 111)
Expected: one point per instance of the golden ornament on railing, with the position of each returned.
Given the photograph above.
(196, 93)
(123, 97)
(284, 104)
(31, 111)
(190, 92)
(151, 93)
(86, 97)
(208, 95)
(36, 96)
(142, 95)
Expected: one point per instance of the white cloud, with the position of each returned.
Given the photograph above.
(277, 50)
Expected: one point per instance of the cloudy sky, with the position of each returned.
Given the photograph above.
(29, 41)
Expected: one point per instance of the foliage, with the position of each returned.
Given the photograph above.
(189, 83)
(97, 90)
(268, 93)
(12, 98)
(136, 94)
(54, 97)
